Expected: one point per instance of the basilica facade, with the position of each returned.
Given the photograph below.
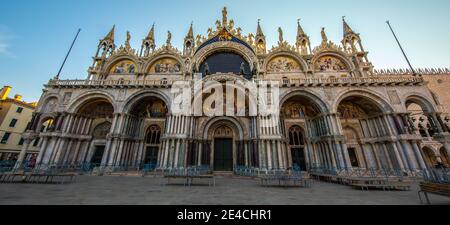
(334, 109)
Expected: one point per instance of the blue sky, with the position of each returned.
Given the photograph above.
(35, 35)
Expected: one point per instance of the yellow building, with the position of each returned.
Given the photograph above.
(15, 115)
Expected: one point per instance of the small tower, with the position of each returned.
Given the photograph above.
(106, 45)
(260, 40)
(189, 42)
(353, 45)
(148, 44)
(350, 39)
(302, 44)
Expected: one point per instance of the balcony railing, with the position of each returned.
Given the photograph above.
(343, 81)
(106, 83)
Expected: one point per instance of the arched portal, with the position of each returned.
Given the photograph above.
(144, 127)
(224, 150)
(301, 123)
(363, 117)
(100, 111)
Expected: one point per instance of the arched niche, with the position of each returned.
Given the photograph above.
(165, 65)
(330, 63)
(225, 62)
(283, 63)
(124, 66)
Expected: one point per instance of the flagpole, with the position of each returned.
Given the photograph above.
(67, 55)
(401, 48)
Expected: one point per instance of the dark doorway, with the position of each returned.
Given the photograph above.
(98, 154)
(353, 158)
(223, 154)
(151, 155)
(298, 158)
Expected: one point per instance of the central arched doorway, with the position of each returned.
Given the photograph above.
(223, 148)
(226, 148)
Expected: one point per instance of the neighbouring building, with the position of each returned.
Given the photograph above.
(335, 111)
(15, 115)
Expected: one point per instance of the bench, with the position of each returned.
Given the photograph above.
(210, 177)
(189, 179)
(30, 177)
(426, 188)
(286, 180)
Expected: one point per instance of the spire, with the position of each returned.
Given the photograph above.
(110, 35)
(303, 44)
(260, 40)
(259, 31)
(347, 29)
(300, 32)
(151, 33)
(148, 44)
(191, 31)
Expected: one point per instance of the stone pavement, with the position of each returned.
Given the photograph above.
(131, 190)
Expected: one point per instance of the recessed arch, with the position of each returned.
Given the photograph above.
(420, 100)
(314, 99)
(373, 97)
(238, 48)
(131, 101)
(287, 61)
(165, 63)
(75, 104)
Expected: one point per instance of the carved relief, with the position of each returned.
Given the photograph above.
(101, 130)
(393, 97)
(51, 105)
(296, 110)
(165, 65)
(123, 67)
(223, 131)
(329, 63)
(348, 110)
(67, 97)
(283, 64)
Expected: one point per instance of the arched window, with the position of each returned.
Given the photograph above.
(153, 135)
(296, 136)
(152, 141)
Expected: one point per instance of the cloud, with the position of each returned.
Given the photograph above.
(5, 42)
(4, 48)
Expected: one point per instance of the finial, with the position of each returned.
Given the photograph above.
(343, 18)
(224, 16)
(298, 21)
(128, 38)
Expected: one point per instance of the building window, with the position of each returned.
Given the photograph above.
(19, 110)
(5, 138)
(13, 123)
(36, 142)
(21, 141)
